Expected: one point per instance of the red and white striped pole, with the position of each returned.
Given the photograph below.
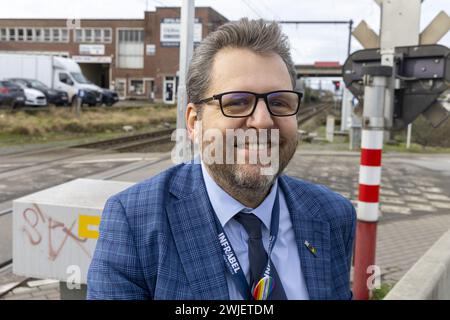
(367, 211)
(375, 81)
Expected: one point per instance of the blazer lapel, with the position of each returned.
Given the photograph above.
(191, 218)
(305, 212)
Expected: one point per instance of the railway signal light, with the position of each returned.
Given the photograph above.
(420, 74)
(337, 85)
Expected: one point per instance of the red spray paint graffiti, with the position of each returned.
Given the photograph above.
(34, 217)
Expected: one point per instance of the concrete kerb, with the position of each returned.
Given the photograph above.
(429, 278)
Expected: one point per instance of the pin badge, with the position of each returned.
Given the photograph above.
(311, 248)
(263, 288)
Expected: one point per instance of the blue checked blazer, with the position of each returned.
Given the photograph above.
(158, 240)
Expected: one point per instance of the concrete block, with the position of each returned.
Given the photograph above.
(55, 231)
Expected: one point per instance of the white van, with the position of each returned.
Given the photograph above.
(68, 77)
(56, 72)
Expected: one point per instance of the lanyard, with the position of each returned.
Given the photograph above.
(231, 260)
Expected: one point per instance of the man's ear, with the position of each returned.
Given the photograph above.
(191, 117)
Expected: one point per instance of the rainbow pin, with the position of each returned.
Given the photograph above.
(263, 288)
(311, 248)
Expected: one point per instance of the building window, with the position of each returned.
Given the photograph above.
(131, 49)
(38, 35)
(34, 34)
(121, 87)
(3, 34)
(12, 34)
(136, 87)
(29, 34)
(64, 35)
(87, 35)
(47, 35)
(79, 35)
(20, 34)
(98, 35)
(55, 34)
(107, 35)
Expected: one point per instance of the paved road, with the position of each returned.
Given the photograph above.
(415, 203)
(415, 200)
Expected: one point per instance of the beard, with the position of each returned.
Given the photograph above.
(247, 176)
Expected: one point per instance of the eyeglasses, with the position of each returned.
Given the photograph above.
(239, 104)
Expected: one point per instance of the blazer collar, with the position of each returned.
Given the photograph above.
(191, 218)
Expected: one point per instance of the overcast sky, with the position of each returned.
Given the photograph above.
(309, 42)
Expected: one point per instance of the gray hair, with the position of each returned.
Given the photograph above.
(256, 35)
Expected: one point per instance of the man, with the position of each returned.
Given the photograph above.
(226, 230)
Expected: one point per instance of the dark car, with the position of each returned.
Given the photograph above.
(89, 97)
(109, 97)
(11, 95)
(56, 97)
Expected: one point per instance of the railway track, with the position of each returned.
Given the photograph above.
(311, 112)
(132, 142)
(34, 151)
(121, 144)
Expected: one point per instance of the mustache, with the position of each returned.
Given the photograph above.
(248, 138)
(260, 145)
(257, 138)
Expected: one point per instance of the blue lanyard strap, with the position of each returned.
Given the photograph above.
(231, 260)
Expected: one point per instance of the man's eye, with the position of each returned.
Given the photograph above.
(278, 103)
(236, 103)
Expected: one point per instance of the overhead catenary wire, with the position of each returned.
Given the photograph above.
(274, 15)
(252, 9)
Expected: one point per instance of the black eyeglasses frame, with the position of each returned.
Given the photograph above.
(257, 96)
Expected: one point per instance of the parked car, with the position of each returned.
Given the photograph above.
(109, 97)
(34, 98)
(56, 97)
(56, 72)
(11, 95)
(89, 97)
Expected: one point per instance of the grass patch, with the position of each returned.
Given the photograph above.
(414, 148)
(341, 143)
(380, 293)
(93, 124)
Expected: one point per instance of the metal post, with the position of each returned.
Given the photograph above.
(77, 103)
(186, 49)
(329, 135)
(346, 108)
(350, 27)
(408, 136)
(376, 83)
(399, 27)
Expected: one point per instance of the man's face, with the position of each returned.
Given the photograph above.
(243, 70)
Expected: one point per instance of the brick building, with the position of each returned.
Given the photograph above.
(139, 57)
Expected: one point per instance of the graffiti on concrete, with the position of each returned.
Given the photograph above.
(35, 221)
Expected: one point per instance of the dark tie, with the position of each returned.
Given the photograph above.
(257, 255)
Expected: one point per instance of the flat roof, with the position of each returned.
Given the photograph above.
(109, 19)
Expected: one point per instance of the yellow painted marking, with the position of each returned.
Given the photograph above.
(83, 226)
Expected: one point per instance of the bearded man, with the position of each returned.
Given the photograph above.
(230, 225)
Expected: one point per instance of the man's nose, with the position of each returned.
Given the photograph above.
(261, 117)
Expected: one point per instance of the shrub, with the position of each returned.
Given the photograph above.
(424, 134)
